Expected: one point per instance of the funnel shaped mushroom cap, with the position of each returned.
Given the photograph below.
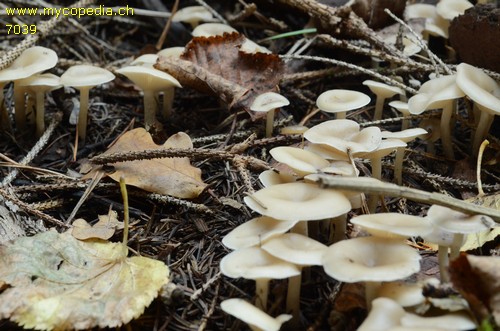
(370, 259)
(301, 161)
(192, 15)
(434, 94)
(298, 202)
(148, 78)
(394, 225)
(268, 101)
(400, 106)
(171, 51)
(255, 263)
(449, 9)
(480, 87)
(212, 29)
(42, 81)
(334, 101)
(405, 135)
(146, 59)
(86, 76)
(385, 148)
(383, 90)
(296, 248)
(31, 61)
(271, 177)
(457, 222)
(345, 134)
(252, 315)
(255, 232)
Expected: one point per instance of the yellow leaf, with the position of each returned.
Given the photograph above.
(58, 282)
(170, 176)
(476, 240)
(103, 229)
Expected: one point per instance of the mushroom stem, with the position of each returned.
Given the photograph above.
(485, 121)
(300, 228)
(458, 240)
(261, 292)
(338, 228)
(398, 165)
(371, 289)
(19, 105)
(82, 115)
(168, 101)
(376, 163)
(443, 263)
(293, 297)
(341, 115)
(270, 123)
(379, 106)
(149, 109)
(445, 130)
(40, 113)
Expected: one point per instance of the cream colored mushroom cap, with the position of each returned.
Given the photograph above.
(386, 147)
(171, 51)
(405, 294)
(457, 320)
(252, 315)
(385, 313)
(405, 135)
(326, 152)
(293, 129)
(268, 101)
(47, 80)
(394, 225)
(296, 248)
(85, 76)
(434, 94)
(345, 134)
(31, 61)
(480, 87)
(146, 59)
(335, 101)
(271, 177)
(457, 222)
(192, 15)
(341, 168)
(148, 78)
(212, 29)
(255, 232)
(298, 202)
(420, 10)
(252, 47)
(301, 161)
(383, 90)
(370, 259)
(449, 9)
(255, 263)
(400, 106)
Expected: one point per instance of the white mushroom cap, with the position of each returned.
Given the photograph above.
(253, 316)
(385, 313)
(84, 76)
(146, 59)
(480, 87)
(171, 51)
(434, 94)
(271, 177)
(341, 168)
(386, 147)
(457, 222)
(298, 202)
(148, 78)
(301, 161)
(252, 47)
(334, 101)
(193, 15)
(400, 106)
(370, 259)
(394, 225)
(268, 101)
(326, 152)
(405, 294)
(434, 23)
(383, 90)
(42, 82)
(296, 248)
(293, 129)
(345, 134)
(31, 61)
(449, 9)
(255, 263)
(212, 29)
(255, 232)
(405, 135)
(455, 321)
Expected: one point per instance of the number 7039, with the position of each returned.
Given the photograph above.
(21, 28)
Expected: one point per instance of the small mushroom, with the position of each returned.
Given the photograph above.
(84, 77)
(341, 101)
(212, 29)
(301, 161)
(150, 81)
(256, 319)
(382, 91)
(193, 15)
(449, 9)
(272, 177)
(169, 92)
(384, 315)
(402, 107)
(268, 103)
(393, 225)
(255, 263)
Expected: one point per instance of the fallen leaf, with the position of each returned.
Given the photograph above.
(477, 278)
(216, 65)
(103, 229)
(58, 282)
(169, 176)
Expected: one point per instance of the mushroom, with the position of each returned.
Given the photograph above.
(382, 91)
(31, 61)
(341, 101)
(301, 161)
(435, 25)
(255, 263)
(485, 92)
(145, 60)
(193, 15)
(40, 84)
(268, 103)
(393, 225)
(371, 260)
(255, 231)
(299, 202)
(212, 29)
(301, 251)
(150, 81)
(458, 321)
(438, 93)
(171, 51)
(272, 177)
(402, 107)
(384, 315)
(405, 136)
(344, 135)
(404, 293)
(256, 319)
(84, 77)
(449, 9)
(169, 92)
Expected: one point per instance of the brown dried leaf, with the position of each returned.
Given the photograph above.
(215, 65)
(103, 229)
(169, 176)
